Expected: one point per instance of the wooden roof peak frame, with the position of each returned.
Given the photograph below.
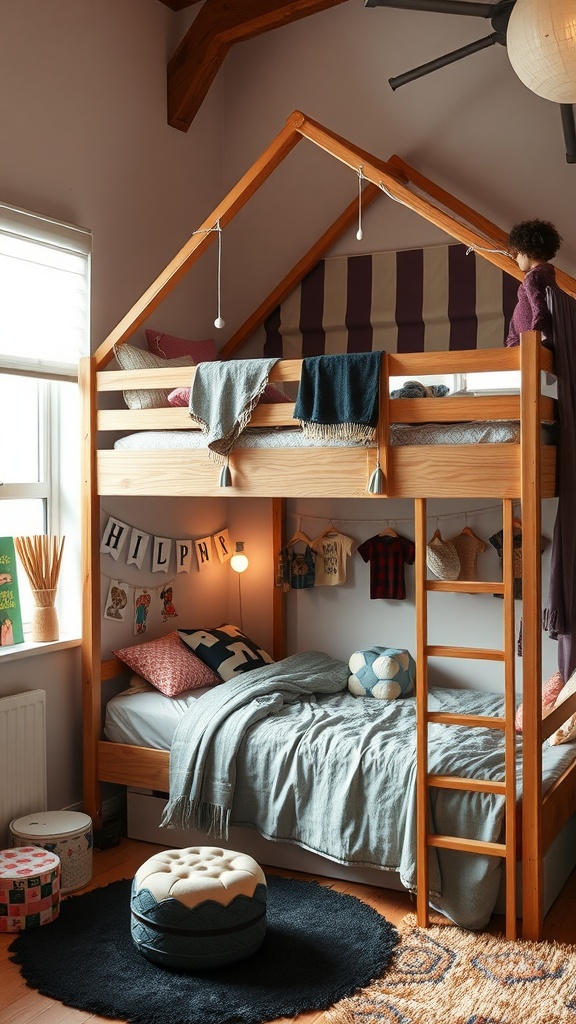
(393, 177)
(219, 25)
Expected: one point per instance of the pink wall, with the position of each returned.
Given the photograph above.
(85, 139)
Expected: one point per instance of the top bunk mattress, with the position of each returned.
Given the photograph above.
(401, 434)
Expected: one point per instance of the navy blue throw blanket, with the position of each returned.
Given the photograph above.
(560, 615)
(338, 396)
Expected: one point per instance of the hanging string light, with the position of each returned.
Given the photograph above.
(219, 322)
(359, 234)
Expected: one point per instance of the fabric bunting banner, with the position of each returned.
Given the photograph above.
(166, 553)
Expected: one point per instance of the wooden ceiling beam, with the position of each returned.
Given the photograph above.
(179, 5)
(218, 25)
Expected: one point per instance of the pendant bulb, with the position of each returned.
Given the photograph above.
(359, 234)
(219, 322)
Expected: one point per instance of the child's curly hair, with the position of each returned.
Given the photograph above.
(537, 239)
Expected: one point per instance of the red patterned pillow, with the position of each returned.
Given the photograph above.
(169, 665)
(272, 394)
(550, 692)
(169, 347)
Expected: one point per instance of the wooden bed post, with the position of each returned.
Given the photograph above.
(532, 846)
(278, 597)
(91, 653)
(422, 824)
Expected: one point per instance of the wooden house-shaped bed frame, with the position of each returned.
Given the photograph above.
(512, 472)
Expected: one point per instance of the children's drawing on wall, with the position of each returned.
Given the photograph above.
(168, 609)
(142, 599)
(116, 601)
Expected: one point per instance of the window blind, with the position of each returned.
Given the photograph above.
(44, 295)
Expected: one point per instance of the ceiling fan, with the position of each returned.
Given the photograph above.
(499, 15)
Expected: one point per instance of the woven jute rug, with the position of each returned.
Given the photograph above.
(444, 975)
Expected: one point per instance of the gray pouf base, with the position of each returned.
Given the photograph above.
(210, 935)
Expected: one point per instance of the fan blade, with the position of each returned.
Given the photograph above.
(441, 62)
(437, 6)
(569, 129)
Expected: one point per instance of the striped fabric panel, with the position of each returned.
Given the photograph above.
(413, 300)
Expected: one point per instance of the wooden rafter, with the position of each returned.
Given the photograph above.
(216, 28)
(434, 204)
(179, 5)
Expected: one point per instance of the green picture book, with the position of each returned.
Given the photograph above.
(10, 614)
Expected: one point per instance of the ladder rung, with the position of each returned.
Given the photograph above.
(468, 845)
(465, 586)
(479, 653)
(471, 785)
(477, 721)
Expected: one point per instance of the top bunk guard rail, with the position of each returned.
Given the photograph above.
(440, 470)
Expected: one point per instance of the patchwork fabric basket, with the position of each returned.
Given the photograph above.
(29, 888)
(68, 834)
(199, 907)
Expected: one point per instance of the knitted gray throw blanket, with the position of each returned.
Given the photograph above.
(222, 398)
(338, 396)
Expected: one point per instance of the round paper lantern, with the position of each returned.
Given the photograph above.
(541, 44)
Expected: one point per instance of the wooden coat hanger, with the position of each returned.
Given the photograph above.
(436, 536)
(517, 523)
(299, 536)
(329, 530)
(388, 532)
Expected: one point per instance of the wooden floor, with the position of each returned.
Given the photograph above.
(20, 1004)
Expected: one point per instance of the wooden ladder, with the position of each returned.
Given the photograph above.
(425, 779)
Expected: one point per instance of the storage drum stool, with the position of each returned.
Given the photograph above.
(29, 888)
(198, 907)
(66, 833)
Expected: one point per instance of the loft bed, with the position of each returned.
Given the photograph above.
(520, 470)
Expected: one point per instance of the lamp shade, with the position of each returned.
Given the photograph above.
(239, 563)
(541, 44)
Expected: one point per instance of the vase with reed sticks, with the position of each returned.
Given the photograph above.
(41, 556)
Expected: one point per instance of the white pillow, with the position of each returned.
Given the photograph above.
(567, 731)
(131, 358)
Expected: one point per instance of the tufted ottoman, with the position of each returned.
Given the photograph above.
(198, 907)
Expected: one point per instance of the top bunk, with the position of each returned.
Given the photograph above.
(463, 445)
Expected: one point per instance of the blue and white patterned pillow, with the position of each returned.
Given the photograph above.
(226, 649)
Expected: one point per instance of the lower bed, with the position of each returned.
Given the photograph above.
(289, 755)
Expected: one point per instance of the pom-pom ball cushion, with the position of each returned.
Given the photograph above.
(382, 672)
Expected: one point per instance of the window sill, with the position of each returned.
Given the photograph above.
(29, 648)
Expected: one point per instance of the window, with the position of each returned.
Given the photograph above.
(44, 330)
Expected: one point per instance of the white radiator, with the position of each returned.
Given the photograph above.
(22, 757)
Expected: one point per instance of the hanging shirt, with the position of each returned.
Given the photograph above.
(332, 550)
(387, 557)
(297, 568)
(468, 547)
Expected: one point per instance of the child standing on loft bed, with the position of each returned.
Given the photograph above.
(533, 243)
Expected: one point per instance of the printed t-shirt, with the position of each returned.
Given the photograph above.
(332, 551)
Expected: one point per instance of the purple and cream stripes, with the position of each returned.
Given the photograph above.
(413, 300)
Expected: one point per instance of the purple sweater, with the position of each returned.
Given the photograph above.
(531, 312)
